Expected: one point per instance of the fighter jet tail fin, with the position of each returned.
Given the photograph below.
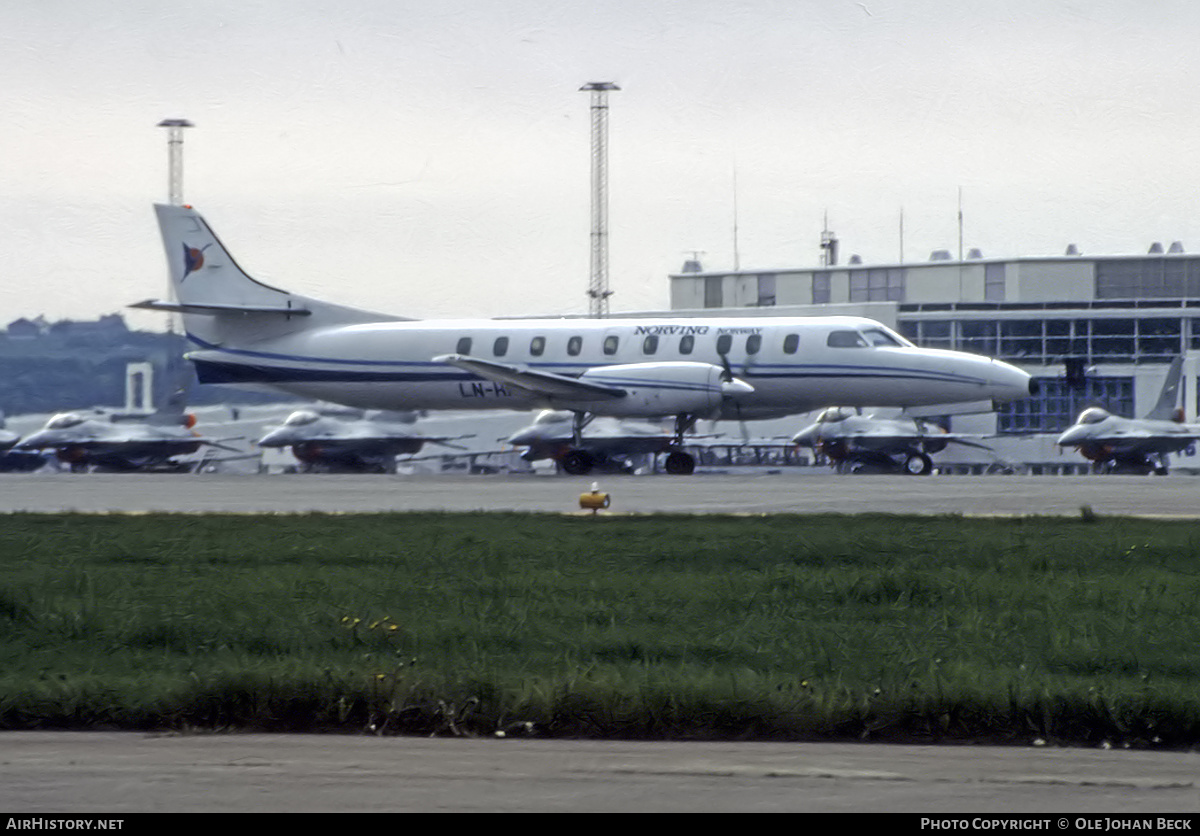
(1166, 409)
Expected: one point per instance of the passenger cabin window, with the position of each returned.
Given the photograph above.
(650, 344)
(500, 347)
(790, 343)
(724, 343)
(464, 345)
(574, 346)
(686, 344)
(610, 344)
(537, 346)
(845, 339)
(753, 343)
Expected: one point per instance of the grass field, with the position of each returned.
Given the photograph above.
(1080, 631)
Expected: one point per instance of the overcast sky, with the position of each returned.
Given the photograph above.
(432, 159)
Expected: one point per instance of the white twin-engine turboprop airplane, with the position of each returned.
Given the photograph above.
(242, 331)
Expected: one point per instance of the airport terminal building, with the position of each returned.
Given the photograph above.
(1095, 330)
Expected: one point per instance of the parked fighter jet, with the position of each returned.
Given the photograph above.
(350, 440)
(605, 443)
(118, 442)
(16, 461)
(852, 441)
(1128, 445)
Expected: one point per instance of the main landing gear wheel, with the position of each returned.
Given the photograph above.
(918, 464)
(679, 464)
(577, 462)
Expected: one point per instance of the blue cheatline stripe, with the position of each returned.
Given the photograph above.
(209, 371)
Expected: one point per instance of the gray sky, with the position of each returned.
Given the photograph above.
(432, 159)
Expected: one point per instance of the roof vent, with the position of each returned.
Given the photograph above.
(1156, 248)
(940, 255)
(1176, 247)
(975, 252)
(1072, 249)
(856, 259)
(692, 265)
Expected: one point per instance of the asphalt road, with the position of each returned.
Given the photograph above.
(764, 492)
(62, 773)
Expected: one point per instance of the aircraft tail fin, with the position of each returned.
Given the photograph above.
(219, 301)
(1165, 409)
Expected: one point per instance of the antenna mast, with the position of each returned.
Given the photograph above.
(598, 291)
(829, 245)
(175, 158)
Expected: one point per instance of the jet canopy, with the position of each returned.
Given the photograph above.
(834, 414)
(1093, 415)
(551, 416)
(301, 418)
(64, 420)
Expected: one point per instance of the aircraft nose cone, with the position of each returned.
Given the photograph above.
(806, 437)
(1072, 436)
(1010, 383)
(521, 439)
(34, 442)
(275, 438)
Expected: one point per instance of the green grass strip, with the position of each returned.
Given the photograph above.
(1079, 631)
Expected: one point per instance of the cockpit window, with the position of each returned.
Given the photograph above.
(845, 339)
(300, 418)
(1092, 415)
(877, 336)
(64, 420)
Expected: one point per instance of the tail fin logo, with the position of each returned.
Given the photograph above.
(193, 259)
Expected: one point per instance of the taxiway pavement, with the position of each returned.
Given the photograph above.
(761, 492)
(111, 772)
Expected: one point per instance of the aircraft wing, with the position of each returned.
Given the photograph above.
(953, 438)
(220, 445)
(540, 383)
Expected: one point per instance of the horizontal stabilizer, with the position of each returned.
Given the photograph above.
(213, 309)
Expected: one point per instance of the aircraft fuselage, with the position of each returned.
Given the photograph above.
(793, 364)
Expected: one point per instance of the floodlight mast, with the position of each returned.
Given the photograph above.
(175, 158)
(598, 291)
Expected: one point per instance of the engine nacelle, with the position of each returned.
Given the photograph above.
(658, 389)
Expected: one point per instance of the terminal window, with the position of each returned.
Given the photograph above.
(820, 288)
(1057, 405)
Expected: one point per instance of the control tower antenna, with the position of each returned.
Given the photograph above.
(598, 291)
(829, 245)
(175, 158)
